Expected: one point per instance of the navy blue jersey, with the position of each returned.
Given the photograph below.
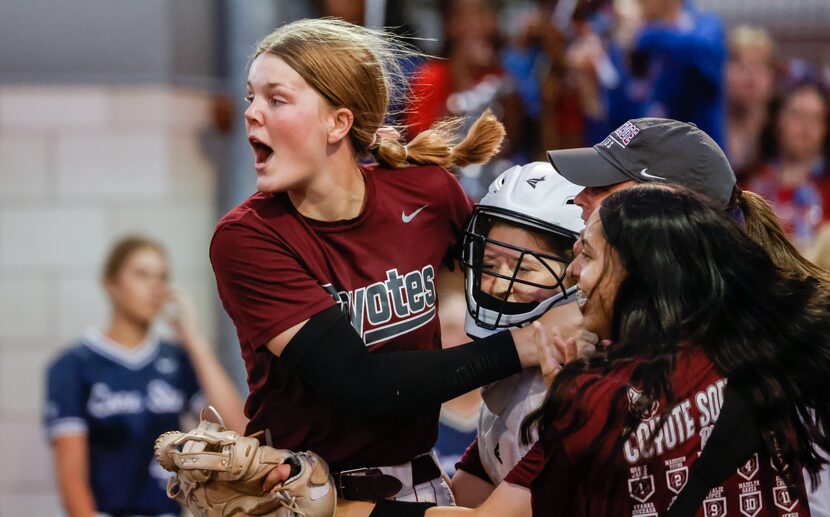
(122, 400)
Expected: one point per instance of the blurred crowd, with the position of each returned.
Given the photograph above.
(565, 73)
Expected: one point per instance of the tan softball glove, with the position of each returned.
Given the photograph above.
(220, 474)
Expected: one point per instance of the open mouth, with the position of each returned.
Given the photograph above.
(262, 152)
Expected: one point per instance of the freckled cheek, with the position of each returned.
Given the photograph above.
(298, 128)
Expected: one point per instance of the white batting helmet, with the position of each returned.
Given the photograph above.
(535, 197)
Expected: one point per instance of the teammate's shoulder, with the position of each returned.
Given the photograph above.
(253, 210)
(593, 389)
(261, 215)
(417, 174)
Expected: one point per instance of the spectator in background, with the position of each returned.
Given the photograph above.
(794, 175)
(678, 57)
(597, 68)
(465, 82)
(469, 59)
(110, 396)
(534, 62)
(352, 11)
(750, 85)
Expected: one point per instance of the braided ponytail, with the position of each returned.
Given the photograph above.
(435, 145)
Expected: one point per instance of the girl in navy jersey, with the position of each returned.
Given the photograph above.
(110, 396)
(328, 272)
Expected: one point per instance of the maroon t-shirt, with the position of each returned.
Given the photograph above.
(276, 268)
(654, 474)
(528, 467)
(522, 474)
(470, 463)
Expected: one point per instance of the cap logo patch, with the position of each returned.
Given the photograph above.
(626, 132)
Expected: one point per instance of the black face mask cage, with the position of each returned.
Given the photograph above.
(472, 263)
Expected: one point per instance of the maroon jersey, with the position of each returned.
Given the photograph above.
(654, 473)
(522, 474)
(470, 463)
(275, 268)
(528, 467)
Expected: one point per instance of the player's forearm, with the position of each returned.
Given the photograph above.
(77, 498)
(470, 491)
(329, 355)
(72, 470)
(507, 500)
(215, 382)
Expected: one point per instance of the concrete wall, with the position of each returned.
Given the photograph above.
(105, 129)
(80, 166)
(106, 41)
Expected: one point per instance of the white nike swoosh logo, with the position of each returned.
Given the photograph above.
(644, 174)
(406, 218)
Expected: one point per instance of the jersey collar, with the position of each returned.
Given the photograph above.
(134, 359)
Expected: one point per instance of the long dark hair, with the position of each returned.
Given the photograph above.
(693, 277)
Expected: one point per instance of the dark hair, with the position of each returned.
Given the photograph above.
(694, 278)
(122, 250)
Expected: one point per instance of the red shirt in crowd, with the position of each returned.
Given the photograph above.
(276, 268)
(642, 478)
(431, 87)
(802, 209)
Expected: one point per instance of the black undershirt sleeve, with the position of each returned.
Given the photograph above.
(329, 356)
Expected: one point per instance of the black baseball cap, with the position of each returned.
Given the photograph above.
(652, 149)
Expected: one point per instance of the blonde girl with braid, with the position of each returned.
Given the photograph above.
(328, 271)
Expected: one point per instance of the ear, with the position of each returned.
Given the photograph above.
(109, 287)
(340, 123)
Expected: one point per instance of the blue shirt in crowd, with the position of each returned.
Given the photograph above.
(684, 71)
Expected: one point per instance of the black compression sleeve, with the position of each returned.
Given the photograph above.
(328, 355)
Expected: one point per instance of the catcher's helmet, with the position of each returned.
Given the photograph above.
(535, 198)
